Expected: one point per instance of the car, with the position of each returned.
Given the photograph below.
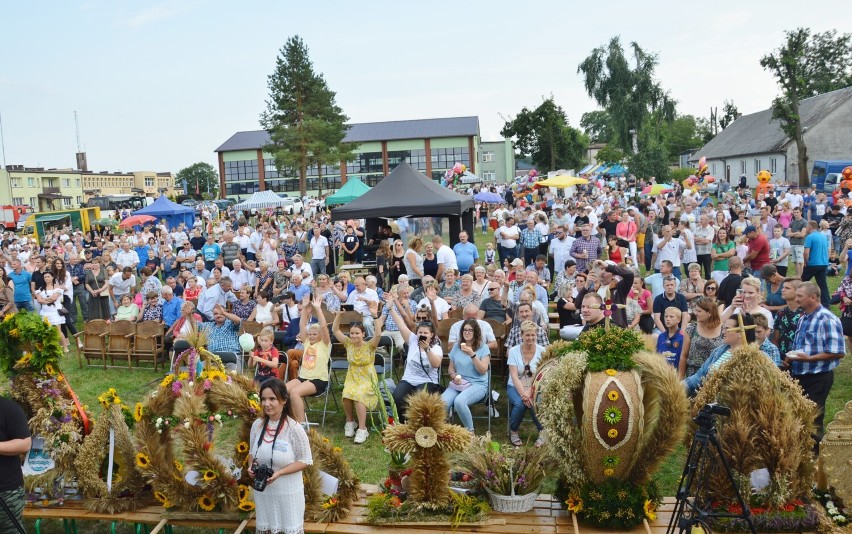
(292, 206)
(224, 204)
(189, 203)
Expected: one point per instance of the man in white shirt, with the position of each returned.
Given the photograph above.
(445, 256)
(255, 239)
(299, 266)
(239, 276)
(219, 294)
(471, 311)
(560, 248)
(669, 248)
(359, 299)
(127, 257)
(122, 283)
(507, 240)
(794, 197)
(319, 252)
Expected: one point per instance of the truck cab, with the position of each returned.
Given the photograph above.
(825, 175)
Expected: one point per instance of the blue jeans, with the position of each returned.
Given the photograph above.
(676, 272)
(25, 305)
(517, 409)
(318, 266)
(461, 402)
(649, 253)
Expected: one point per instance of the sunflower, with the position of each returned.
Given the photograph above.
(254, 405)
(242, 447)
(14, 332)
(325, 440)
(246, 506)
(608, 472)
(8, 317)
(138, 411)
(612, 415)
(611, 372)
(243, 492)
(209, 475)
(48, 368)
(183, 376)
(160, 496)
(612, 395)
(25, 359)
(650, 510)
(612, 433)
(574, 504)
(167, 380)
(178, 466)
(337, 450)
(143, 461)
(206, 503)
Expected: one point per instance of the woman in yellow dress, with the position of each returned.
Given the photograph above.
(358, 392)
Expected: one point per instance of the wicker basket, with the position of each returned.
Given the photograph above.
(512, 503)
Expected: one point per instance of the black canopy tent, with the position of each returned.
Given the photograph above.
(405, 192)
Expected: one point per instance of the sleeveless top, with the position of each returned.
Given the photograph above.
(408, 267)
(263, 314)
(700, 348)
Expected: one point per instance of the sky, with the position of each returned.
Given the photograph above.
(159, 85)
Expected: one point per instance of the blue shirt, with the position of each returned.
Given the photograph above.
(673, 344)
(772, 351)
(466, 254)
(818, 245)
(693, 381)
(464, 364)
(22, 285)
(818, 332)
(222, 338)
(211, 251)
(142, 252)
(171, 310)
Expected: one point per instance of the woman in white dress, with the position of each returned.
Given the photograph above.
(50, 299)
(278, 441)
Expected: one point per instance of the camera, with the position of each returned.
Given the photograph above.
(421, 338)
(261, 475)
(706, 417)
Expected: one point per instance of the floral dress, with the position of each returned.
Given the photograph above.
(358, 385)
(700, 348)
(787, 324)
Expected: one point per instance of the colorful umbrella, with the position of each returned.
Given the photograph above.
(136, 220)
(657, 189)
(105, 221)
(488, 197)
(561, 181)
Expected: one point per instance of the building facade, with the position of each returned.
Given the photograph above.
(429, 145)
(496, 161)
(54, 189)
(756, 142)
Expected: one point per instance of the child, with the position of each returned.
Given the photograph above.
(489, 253)
(825, 230)
(742, 247)
(153, 262)
(670, 342)
(192, 290)
(761, 334)
(613, 248)
(265, 356)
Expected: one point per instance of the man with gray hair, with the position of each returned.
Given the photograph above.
(239, 276)
(171, 306)
(220, 294)
(471, 311)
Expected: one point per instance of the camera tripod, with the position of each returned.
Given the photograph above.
(689, 510)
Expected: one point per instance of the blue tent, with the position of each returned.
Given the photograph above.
(174, 214)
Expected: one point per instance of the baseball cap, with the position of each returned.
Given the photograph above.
(750, 228)
(516, 262)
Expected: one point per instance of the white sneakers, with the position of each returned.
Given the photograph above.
(361, 435)
(349, 429)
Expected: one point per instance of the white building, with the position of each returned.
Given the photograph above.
(756, 142)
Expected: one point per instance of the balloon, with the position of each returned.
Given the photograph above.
(246, 342)
(764, 176)
(702, 162)
(709, 179)
(847, 173)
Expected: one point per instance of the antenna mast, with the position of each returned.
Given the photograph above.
(77, 127)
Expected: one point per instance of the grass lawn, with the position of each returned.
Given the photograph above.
(369, 460)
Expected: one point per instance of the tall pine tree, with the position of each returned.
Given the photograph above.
(306, 126)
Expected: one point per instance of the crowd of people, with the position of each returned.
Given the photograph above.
(715, 274)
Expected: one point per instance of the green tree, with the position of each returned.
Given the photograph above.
(610, 154)
(629, 94)
(804, 66)
(597, 125)
(544, 135)
(684, 133)
(199, 178)
(306, 126)
(651, 160)
(729, 114)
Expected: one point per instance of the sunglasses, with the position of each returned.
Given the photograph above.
(425, 323)
(493, 288)
(710, 288)
(356, 323)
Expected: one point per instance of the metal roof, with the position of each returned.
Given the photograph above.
(372, 131)
(758, 133)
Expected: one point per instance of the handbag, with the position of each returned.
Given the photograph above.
(431, 387)
(460, 386)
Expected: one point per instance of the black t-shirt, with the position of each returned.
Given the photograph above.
(579, 221)
(349, 241)
(566, 317)
(38, 280)
(13, 425)
(728, 288)
(197, 242)
(609, 226)
(178, 290)
(771, 202)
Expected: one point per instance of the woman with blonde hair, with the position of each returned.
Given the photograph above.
(413, 262)
(748, 300)
(700, 337)
(480, 281)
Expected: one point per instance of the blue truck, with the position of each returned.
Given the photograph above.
(826, 174)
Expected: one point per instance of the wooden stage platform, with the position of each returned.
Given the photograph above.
(546, 518)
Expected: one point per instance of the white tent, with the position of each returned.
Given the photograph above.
(261, 200)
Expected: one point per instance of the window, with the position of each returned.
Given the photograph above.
(243, 170)
(487, 157)
(33, 201)
(77, 182)
(17, 201)
(66, 182)
(31, 182)
(743, 167)
(713, 168)
(489, 176)
(16, 182)
(415, 158)
(369, 162)
(79, 200)
(773, 165)
(66, 202)
(756, 166)
(445, 158)
(149, 181)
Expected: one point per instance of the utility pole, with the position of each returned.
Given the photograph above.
(3, 146)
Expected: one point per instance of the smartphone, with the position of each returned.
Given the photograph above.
(739, 292)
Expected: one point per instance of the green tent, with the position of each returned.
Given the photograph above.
(352, 189)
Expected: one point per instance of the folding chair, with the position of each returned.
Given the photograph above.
(326, 394)
(499, 356)
(94, 336)
(230, 358)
